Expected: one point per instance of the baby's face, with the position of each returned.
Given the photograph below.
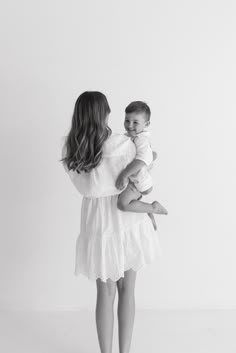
(135, 123)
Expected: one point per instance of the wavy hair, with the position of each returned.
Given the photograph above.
(88, 132)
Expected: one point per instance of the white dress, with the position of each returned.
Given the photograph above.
(110, 241)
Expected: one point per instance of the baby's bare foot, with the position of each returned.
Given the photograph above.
(158, 208)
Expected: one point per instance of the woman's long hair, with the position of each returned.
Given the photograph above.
(88, 132)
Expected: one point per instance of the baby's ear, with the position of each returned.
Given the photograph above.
(147, 122)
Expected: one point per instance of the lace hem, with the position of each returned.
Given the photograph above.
(94, 276)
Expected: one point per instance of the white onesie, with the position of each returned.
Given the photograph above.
(143, 179)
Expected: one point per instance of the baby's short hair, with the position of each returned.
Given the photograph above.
(138, 107)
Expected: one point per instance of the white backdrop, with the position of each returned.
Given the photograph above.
(179, 57)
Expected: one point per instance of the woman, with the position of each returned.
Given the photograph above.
(112, 245)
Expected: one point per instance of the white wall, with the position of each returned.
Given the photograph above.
(178, 56)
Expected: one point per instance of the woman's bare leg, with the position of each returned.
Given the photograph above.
(126, 309)
(106, 292)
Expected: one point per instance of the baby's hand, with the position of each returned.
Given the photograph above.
(121, 181)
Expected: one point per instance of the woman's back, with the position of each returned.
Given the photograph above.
(118, 151)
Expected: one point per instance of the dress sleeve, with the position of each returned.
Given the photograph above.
(143, 149)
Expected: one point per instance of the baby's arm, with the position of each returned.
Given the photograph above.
(134, 167)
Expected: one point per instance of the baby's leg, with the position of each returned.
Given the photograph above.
(146, 192)
(128, 202)
(157, 205)
(126, 197)
(150, 215)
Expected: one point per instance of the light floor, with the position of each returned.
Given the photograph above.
(205, 331)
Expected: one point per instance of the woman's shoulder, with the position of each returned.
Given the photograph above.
(117, 138)
(117, 144)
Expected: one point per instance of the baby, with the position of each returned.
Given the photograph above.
(136, 174)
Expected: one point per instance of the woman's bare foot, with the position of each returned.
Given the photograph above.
(153, 220)
(158, 208)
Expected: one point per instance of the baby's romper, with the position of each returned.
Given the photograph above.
(143, 180)
(110, 241)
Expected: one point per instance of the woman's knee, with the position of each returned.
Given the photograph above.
(106, 289)
(126, 284)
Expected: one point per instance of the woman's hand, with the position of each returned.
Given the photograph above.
(121, 181)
